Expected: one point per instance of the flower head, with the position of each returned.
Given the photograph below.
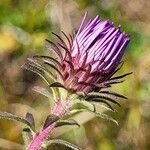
(86, 62)
(91, 58)
(94, 54)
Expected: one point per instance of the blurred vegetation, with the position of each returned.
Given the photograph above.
(25, 24)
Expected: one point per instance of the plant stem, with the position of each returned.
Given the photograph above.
(40, 137)
(60, 108)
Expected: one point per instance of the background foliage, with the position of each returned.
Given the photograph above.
(25, 24)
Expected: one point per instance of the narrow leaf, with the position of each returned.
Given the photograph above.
(100, 96)
(32, 65)
(75, 111)
(9, 116)
(82, 104)
(54, 67)
(122, 76)
(113, 81)
(57, 84)
(48, 59)
(69, 42)
(104, 116)
(30, 119)
(42, 91)
(62, 142)
(118, 68)
(27, 136)
(81, 95)
(114, 94)
(102, 102)
(66, 122)
(35, 70)
(49, 120)
(61, 40)
(26, 130)
(55, 48)
(67, 52)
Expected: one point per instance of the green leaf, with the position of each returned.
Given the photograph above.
(30, 119)
(122, 76)
(74, 111)
(9, 116)
(38, 68)
(57, 84)
(82, 104)
(102, 103)
(26, 130)
(81, 95)
(114, 94)
(101, 96)
(99, 114)
(46, 93)
(42, 91)
(90, 109)
(66, 122)
(104, 116)
(49, 120)
(63, 142)
(27, 136)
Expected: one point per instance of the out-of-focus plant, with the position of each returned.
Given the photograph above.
(79, 76)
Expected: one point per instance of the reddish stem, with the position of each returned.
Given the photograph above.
(60, 108)
(40, 137)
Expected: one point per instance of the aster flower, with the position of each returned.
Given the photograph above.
(80, 72)
(85, 63)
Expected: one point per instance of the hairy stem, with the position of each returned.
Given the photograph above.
(40, 137)
(60, 108)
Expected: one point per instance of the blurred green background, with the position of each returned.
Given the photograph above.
(24, 26)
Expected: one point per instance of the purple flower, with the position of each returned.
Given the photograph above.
(85, 64)
(93, 55)
(100, 44)
(89, 60)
